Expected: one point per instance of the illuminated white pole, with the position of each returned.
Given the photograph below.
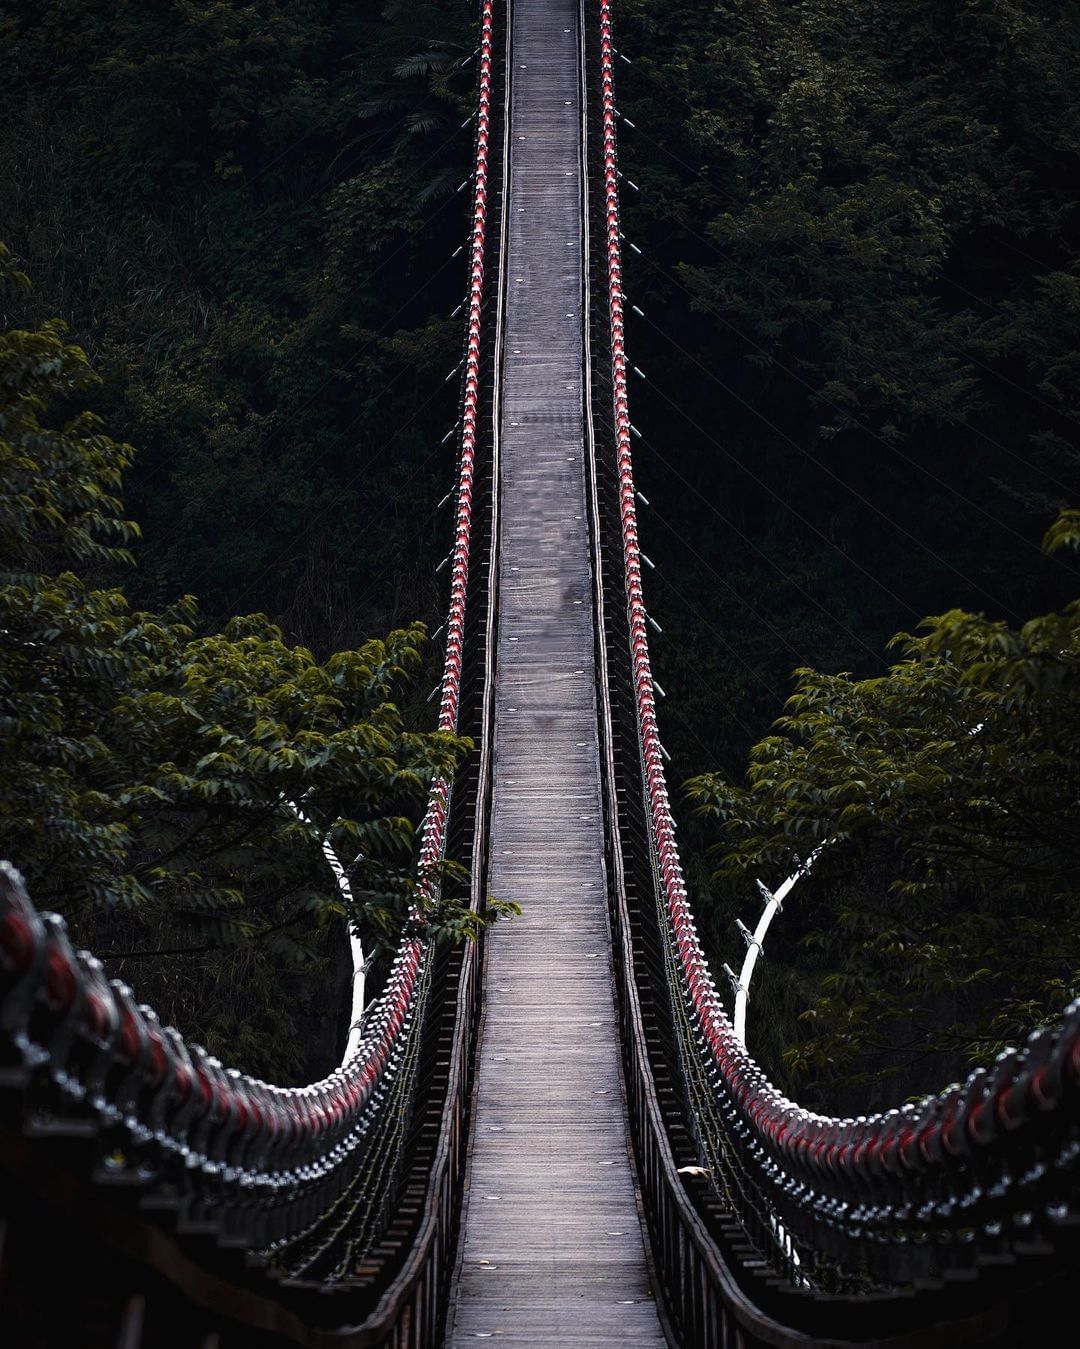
(755, 940)
(356, 947)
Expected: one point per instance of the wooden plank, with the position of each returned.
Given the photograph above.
(552, 1249)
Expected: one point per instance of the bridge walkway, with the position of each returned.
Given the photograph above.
(552, 1250)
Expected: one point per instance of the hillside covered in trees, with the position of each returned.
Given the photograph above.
(234, 210)
(859, 285)
(860, 277)
(246, 214)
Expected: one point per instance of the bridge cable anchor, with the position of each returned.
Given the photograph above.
(733, 980)
(748, 937)
(768, 897)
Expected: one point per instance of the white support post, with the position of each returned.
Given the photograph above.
(356, 946)
(755, 941)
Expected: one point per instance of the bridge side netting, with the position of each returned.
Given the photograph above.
(80, 1049)
(989, 1165)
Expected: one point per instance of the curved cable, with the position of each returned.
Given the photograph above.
(986, 1150)
(103, 1051)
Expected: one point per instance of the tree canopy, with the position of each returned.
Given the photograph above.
(152, 767)
(857, 308)
(858, 281)
(943, 904)
(247, 212)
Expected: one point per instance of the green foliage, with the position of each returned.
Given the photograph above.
(858, 146)
(945, 901)
(1063, 533)
(151, 770)
(237, 207)
(858, 271)
(859, 279)
(59, 500)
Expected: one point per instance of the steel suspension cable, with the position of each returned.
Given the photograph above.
(249, 1156)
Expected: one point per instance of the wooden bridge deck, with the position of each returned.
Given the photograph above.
(552, 1250)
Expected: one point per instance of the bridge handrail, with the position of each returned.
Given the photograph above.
(868, 1171)
(107, 1054)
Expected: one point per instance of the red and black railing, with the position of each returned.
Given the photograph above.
(806, 1211)
(341, 1195)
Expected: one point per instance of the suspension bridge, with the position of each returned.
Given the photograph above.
(553, 1135)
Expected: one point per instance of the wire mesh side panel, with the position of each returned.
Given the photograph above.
(226, 1205)
(871, 1225)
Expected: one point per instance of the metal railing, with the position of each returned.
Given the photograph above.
(812, 1220)
(348, 1186)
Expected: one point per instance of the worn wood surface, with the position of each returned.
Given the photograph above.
(552, 1249)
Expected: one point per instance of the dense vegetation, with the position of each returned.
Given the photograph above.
(246, 213)
(172, 791)
(935, 807)
(858, 223)
(860, 275)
